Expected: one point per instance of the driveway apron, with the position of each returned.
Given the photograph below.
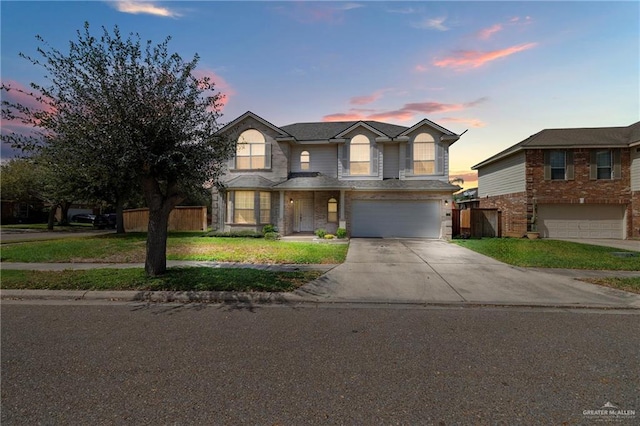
(436, 271)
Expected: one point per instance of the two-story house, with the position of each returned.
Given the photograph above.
(567, 183)
(373, 179)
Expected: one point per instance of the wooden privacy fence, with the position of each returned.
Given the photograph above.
(180, 219)
(477, 223)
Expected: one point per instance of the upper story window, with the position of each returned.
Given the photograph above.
(558, 164)
(424, 154)
(604, 164)
(360, 156)
(252, 151)
(305, 160)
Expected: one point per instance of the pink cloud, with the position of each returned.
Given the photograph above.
(420, 68)
(220, 83)
(407, 112)
(313, 12)
(468, 59)
(486, 33)
(367, 99)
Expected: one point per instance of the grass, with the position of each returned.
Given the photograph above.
(130, 248)
(631, 284)
(552, 254)
(176, 279)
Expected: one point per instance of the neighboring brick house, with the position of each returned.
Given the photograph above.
(567, 183)
(373, 179)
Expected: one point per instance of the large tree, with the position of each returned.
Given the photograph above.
(132, 111)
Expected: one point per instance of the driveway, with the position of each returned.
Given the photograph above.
(435, 271)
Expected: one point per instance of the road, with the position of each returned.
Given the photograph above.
(125, 363)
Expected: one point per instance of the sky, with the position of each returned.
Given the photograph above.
(498, 71)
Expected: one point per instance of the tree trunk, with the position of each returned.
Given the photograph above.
(52, 217)
(156, 261)
(160, 204)
(119, 218)
(64, 212)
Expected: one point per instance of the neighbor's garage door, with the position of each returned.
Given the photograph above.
(394, 218)
(581, 221)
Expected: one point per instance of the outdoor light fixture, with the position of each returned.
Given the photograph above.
(291, 200)
(446, 202)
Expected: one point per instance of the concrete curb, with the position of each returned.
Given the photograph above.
(264, 298)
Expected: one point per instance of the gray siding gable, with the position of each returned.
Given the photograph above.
(506, 176)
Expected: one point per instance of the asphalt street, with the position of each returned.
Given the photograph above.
(128, 363)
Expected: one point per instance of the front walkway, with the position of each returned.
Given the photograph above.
(619, 244)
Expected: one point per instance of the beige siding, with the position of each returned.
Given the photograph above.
(324, 158)
(391, 161)
(506, 176)
(635, 168)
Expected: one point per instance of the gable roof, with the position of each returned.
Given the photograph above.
(256, 117)
(330, 129)
(596, 137)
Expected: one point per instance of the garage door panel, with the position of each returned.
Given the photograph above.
(395, 218)
(581, 221)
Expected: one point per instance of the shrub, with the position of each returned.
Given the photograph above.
(341, 233)
(271, 236)
(320, 233)
(269, 228)
(329, 237)
(237, 234)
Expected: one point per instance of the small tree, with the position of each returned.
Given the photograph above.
(135, 112)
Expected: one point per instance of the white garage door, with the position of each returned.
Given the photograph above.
(395, 218)
(581, 221)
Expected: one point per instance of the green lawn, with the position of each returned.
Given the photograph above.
(552, 254)
(130, 248)
(176, 279)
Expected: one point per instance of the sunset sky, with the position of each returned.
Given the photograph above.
(503, 70)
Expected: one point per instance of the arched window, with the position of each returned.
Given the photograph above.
(332, 210)
(424, 154)
(251, 150)
(360, 156)
(305, 160)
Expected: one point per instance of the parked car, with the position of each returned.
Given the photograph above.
(83, 218)
(105, 221)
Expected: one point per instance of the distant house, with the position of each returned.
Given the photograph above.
(374, 179)
(467, 199)
(567, 183)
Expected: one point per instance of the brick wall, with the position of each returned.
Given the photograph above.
(514, 212)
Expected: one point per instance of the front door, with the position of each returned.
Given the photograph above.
(303, 215)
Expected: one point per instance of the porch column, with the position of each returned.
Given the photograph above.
(280, 223)
(342, 219)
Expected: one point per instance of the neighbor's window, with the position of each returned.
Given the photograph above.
(304, 160)
(332, 210)
(251, 150)
(604, 164)
(360, 156)
(249, 207)
(424, 154)
(557, 163)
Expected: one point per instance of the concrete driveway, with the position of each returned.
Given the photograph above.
(435, 271)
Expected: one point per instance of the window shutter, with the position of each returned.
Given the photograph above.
(439, 159)
(267, 156)
(231, 163)
(345, 159)
(374, 160)
(617, 164)
(593, 167)
(569, 166)
(409, 159)
(547, 165)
